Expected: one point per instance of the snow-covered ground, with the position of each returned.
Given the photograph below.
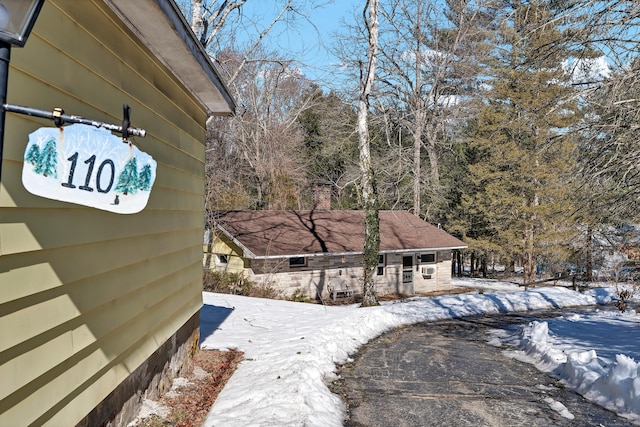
(291, 349)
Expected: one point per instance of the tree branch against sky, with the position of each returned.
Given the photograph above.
(610, 27)
(225, 24)
(427, 54)
(605, 39)
(258, 151)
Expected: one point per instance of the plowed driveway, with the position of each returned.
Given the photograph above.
(446, 374)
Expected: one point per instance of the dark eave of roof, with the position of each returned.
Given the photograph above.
(159, 24)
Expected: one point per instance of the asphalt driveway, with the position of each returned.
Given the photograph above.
(446, 374)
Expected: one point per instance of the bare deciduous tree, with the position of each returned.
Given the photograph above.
(265, 134)
(427, 70)
(253, 158)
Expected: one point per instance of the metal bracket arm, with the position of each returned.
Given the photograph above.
(59, 118)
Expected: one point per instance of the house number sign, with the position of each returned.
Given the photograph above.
(88, 166)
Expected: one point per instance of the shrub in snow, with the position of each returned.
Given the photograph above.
(625, 294)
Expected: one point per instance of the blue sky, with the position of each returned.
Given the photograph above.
(307, 44)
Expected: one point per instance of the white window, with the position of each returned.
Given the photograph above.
(222, 260)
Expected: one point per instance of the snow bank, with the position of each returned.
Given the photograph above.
(291, 349)
(611, 379)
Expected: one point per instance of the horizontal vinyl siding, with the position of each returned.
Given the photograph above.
(86, 296)
(49, 228)
(113, 358)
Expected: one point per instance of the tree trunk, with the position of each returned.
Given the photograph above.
(196, 17)
(454, 263)
(417, 137)
(484, 266)
(528, 257)
(472, 266)
(434, 173)
(372, 220)
(529, 261)
(589, 255)
(418, 122)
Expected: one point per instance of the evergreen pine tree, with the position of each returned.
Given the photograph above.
(128, 178)
(33, 154)
(523, 152)
(48, 160)
(144, 179)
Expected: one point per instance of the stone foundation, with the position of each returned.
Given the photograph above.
(311, 279)
(149, 380)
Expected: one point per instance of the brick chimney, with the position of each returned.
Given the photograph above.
(321, 197)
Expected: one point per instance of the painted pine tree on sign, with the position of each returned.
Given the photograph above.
(33, 154)
(128, 179)
(144, 180)
(48, 160)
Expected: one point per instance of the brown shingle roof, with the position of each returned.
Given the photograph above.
(290, 233)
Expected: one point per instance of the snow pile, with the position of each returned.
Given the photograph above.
(559, 408)
(606, 376)
(535, 341)
(291, 349)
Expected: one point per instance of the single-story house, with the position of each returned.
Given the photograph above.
(302, 251)
(100, 308)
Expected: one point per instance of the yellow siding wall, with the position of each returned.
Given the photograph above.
(86, 296)
(222, 245)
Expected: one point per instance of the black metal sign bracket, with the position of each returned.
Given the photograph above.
(60, 118)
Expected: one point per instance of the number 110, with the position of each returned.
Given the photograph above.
(91, 162)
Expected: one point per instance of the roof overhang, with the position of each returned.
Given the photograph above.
(160, 25)
(336, 254)
(245, 251)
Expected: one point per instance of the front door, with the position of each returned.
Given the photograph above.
(407, 274)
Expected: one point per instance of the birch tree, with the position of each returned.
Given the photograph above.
(369, 197)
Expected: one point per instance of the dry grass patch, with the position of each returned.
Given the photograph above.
(188, 404)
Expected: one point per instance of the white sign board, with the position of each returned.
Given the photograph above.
(88, 166)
